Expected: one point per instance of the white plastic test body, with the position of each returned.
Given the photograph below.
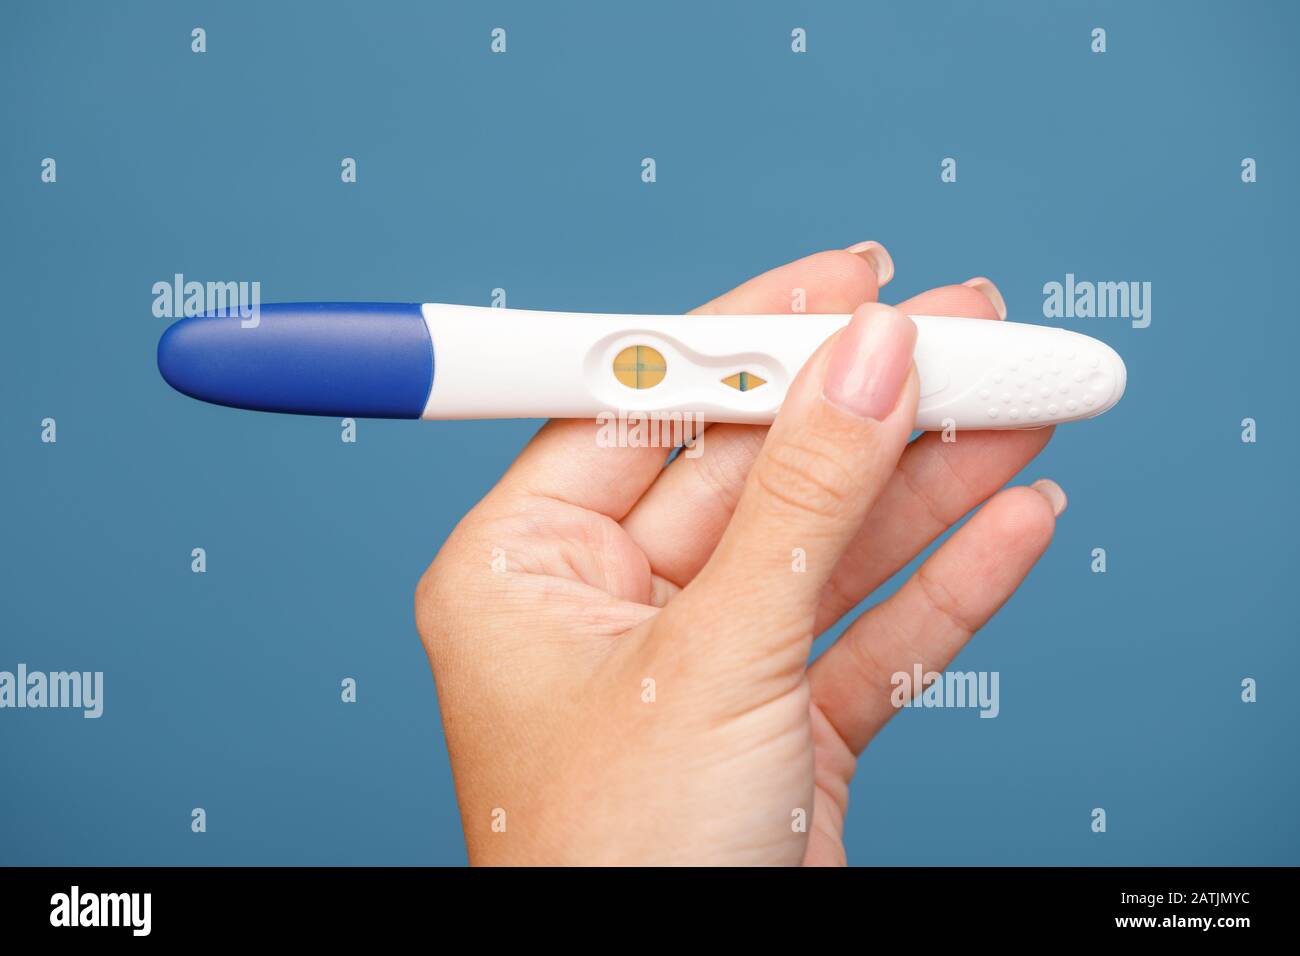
(974, 374)
(394, 360)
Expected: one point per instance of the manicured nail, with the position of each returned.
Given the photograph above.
(879, 259)
(986, 288)
(1052, 492)
(870, 361)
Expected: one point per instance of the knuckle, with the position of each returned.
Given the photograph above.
(865, 660)
(943, 603)
(426, 596)
(434, 604)
(722, 472)
(931, 502)
(806, 477)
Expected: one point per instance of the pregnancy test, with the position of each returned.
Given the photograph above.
(371, 360)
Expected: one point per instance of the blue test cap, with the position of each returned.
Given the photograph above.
(343, 359)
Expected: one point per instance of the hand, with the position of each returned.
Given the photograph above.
(621, 649)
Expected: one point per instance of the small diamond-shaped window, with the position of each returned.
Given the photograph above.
(744, 381)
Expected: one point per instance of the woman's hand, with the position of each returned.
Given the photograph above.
(621, 649)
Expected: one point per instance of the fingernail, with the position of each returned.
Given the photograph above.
(1052, 492)
(879, 259)
(986, 288)
(870, 361)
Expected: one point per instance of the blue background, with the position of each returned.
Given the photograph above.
(522, 171)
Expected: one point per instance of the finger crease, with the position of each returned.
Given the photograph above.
(914, 486)
(941, 600)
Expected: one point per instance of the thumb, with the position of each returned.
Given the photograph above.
(828, 455)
